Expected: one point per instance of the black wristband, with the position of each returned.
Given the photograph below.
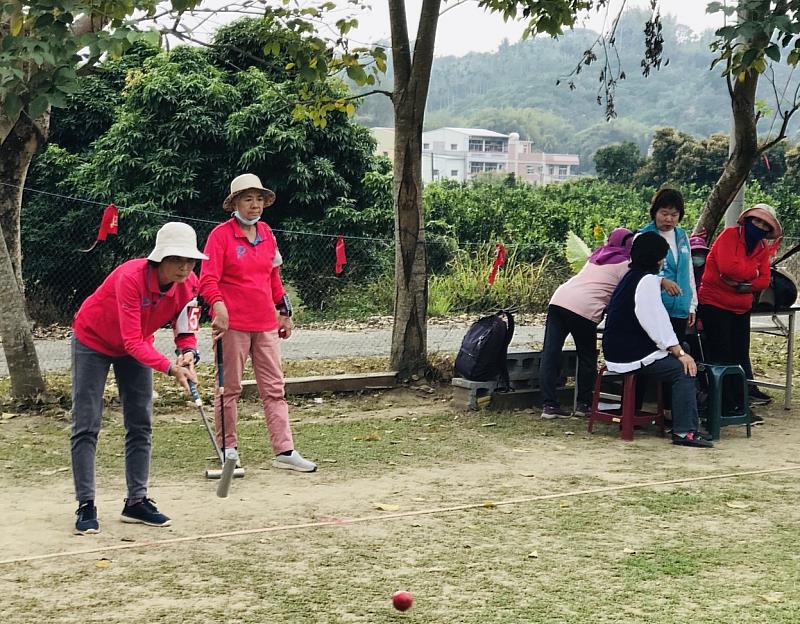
(195, 352)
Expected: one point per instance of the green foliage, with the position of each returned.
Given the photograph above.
(519, 285)
(767, 31)
(535, 218)
(40, 49)
(618, 163)
(181, 128)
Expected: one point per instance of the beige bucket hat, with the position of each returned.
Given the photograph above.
(246, 182)
(765, 212)
(176, 239)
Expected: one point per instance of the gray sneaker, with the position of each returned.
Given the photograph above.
(583, 409)
(549, 412)
(293, 461)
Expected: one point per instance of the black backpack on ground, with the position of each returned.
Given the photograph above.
(483, 352)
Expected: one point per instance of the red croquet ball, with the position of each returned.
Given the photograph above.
(402, 600)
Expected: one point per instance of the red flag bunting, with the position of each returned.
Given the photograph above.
(108, 225)
(341, 258)
(110, 222)
(500, 260)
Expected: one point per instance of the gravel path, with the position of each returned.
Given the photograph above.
(313, 344)
(304, 344)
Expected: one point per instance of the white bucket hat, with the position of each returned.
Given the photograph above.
(176, 239)
(246, 182)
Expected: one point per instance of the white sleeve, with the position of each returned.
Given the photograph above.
(651, 313)
(188, 321)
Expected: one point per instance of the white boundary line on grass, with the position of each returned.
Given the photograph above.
(392, 516)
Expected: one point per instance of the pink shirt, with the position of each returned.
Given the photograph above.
(587, 293)
(245, 276)
(121, 317)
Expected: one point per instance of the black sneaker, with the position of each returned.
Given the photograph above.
(86, 523)
(757, 397)
(549, 412)
(691, 438)
(144, 512)
(755, 419)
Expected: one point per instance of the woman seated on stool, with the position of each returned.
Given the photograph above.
(639, 337)
(576, 308)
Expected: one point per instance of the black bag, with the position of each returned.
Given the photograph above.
(779, 295)
(483, 352)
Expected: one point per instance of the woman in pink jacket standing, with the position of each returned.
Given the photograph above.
(249, 306)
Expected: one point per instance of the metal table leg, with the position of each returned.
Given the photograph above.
(787, 392)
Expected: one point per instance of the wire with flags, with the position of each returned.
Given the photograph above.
(109, 225)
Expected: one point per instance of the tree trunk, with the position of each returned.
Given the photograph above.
(741, 160)
(411, 82)
(16, 153)
(409, 335)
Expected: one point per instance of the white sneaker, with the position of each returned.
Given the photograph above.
(295, 461)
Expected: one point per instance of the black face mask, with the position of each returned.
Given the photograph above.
(753, 234)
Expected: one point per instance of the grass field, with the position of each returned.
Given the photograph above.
(721, 551)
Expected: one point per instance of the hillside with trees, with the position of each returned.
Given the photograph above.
(515, 90)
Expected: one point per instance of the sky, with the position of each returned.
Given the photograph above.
(466, 28)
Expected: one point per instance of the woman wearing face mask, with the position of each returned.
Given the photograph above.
(678, 293)
(241, 282)
(737, 266)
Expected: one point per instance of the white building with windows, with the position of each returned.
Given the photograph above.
(462, 153)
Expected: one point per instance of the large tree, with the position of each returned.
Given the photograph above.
(765, 31)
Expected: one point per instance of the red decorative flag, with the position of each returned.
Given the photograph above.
(499, 260)
(766, 162)
(341, 258)
(108, 225)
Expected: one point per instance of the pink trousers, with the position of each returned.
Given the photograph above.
(265, 353)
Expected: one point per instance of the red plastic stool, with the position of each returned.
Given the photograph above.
(628, 417)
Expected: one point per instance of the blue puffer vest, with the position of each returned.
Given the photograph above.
(677, 270)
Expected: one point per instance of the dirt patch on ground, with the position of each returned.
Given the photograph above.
(486, 551)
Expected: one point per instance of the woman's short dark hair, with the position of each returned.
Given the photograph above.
(667, 198)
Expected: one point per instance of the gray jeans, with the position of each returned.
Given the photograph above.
(684, 397)
(135, 383)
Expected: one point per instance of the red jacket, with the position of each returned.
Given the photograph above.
(121, 317)
(728, 259)
(245, 276)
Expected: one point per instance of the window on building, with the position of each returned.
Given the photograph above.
(435, 174)
(563, 170)
(530, 169)
(426, 146)
(525, 147)
(495, 145)
(476, 167)
(551, 169)
(454, 173)
(476, 145)
(386, 154)
(454, 147)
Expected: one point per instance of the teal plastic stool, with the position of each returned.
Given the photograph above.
(715, 418)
